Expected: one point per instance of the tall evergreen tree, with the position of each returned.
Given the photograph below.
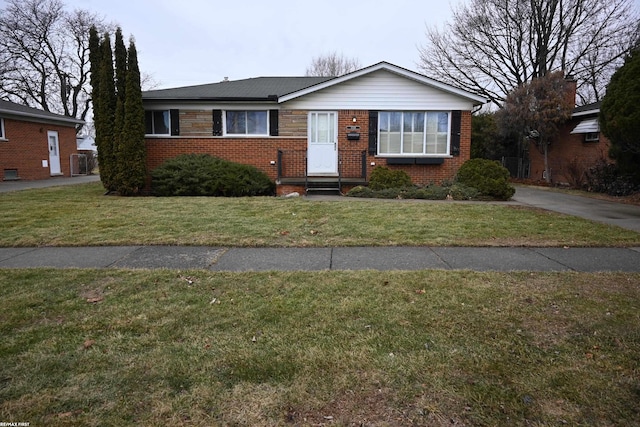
(95, 62)
(620, 115)
(132, 148)
(120, 56)
(106, 115)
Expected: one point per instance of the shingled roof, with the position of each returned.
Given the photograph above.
(254, 89)
(587, 109)
(11, 109)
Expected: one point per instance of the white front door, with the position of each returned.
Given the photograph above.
(54, 153)
(322, 153)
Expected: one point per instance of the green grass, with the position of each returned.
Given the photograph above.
(365, 348)
(82, 215)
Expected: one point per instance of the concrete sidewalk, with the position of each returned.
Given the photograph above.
(322, 259)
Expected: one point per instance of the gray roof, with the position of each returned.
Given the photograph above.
(586, 109)
(254, 89)
(8, 108)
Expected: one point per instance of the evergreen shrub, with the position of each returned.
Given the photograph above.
(383, 178)
(205, 175)
(488, 177)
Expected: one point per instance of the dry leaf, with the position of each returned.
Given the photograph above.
(88, 343)
(420, 291)
(95, 299)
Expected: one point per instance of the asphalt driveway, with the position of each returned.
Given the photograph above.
(620, 214)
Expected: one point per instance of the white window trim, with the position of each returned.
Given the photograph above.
(3, 135)
(436, 155)
(159, 134)
(244, 135)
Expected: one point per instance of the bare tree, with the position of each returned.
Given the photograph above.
(492, 46)
(535, 110)
(45, 56)
(332, 65)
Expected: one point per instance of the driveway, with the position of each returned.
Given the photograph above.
(622, 215)
(7, 186)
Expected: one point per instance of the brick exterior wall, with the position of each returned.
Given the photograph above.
(569, 156)
(292, 139)
(26, 146)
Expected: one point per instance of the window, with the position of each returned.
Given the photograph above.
(246, 123)
(157, 122)
(592, 137)
(322, 128)
(2, 135)
(413, 133)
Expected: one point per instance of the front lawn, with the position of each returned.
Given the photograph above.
(430, 348)
(81, 215)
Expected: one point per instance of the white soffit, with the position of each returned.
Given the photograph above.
(587, 126)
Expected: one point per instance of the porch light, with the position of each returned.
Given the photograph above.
(354, 119)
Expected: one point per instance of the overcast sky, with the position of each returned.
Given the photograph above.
(190, 42)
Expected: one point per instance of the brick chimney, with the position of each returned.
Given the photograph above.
(572, 85)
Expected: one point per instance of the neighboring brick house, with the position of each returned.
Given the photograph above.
(35, 144)
(318, 132)
(578, 146)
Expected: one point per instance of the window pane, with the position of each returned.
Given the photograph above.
(413, 142)
(441, 144)
(257, 122)
(323, 128)
(331, 119)
(395, 121)
(413, 138)
(443, 122)
(431, 144)
(148, 122)
(437, 133)
(383, 122)
(237, 122)
(161, 122)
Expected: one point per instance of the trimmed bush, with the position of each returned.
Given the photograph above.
(488, 177)
(204, 175)
(457, 191)
(383, 178)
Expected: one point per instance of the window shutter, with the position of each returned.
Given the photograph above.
(373, 132)
(175, 122)
(456, 118)
(273, 122)
(217, 122)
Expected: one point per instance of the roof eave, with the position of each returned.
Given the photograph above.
(476, 99)
(40, 117)
(270, 98)
(586, 113)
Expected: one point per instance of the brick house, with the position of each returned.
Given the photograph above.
(318, 132)
(35, 144)
(578, 146)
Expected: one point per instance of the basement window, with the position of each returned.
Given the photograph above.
(11, 175)
(592, 137)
